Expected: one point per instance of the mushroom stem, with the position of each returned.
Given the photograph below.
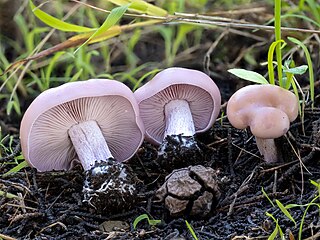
(268, 149)
(178, 118)
(89, 143)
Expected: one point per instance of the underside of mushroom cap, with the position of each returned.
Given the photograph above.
(198, 89)
(44, 128)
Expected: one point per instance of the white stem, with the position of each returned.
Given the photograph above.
(268, 149)
(89, 143)
(178, 119)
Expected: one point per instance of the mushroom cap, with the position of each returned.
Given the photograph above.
(44, 127)
(266, 109)
(197, 88)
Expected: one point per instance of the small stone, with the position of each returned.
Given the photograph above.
(191, 191)
(110, 226)
(208, 177)
(203, 204)
(182, 185)
(175, 206)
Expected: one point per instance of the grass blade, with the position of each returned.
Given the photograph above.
(304, 215)
(285, 211)
(143, 7)
(274, 234)
(8, 195)
(301, 17)
(270, 60)
(114, 16)
(277, 30)
(154, 71)
(310, 67)
(16, 168)
(314, 8)
(317, 185)
(191, 230)
(139, 219)
(151, 222)
(266, 195)
(55, 22)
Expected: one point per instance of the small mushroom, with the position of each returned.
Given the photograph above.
(94, 122)
(267, 110)
(176, 104)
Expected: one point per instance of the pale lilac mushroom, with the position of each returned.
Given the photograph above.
(90, 121)
(178, 101)
(267, 110)
(93, 122)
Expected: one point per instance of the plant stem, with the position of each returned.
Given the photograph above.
(277, 25)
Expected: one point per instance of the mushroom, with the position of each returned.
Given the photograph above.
(176, 104)
(267, 110)
(93, 121)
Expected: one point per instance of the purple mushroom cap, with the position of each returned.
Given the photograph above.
(197, 88)
(45, 142)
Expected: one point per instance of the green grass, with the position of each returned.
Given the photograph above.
(289, 81)
(141, 217)
(192, 232)
(285, 210)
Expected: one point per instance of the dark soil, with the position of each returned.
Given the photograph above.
(51, 207)
(50, 204)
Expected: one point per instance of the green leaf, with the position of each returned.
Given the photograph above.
(141, 7)
(293, 205)
(300, 205)
(191, 230)
(145, 216)
(114, 16)
(297, 70)
(274, 234)
(55, 22)
(285, 211)
(249, 75)
(315, 183)
(16, 168)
